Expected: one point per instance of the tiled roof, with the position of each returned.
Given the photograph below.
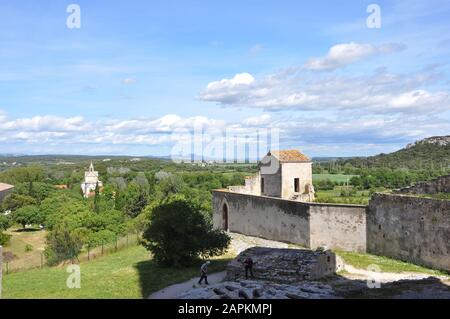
(290, 156)
(4, 187)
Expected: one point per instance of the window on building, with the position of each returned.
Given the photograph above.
(297, 185)
(262, 185)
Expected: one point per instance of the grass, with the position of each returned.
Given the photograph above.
(127, 274)
(339, 178)
(334, 196)
(20, 240)
(363, 261)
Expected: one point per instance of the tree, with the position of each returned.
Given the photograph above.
(177, 233)
(5, 222)
(27, 215)
(135, 199)
(63, 243)
(15, 201)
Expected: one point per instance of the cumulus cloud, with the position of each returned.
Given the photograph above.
(315, 134)
(344, 54)
(380, 91)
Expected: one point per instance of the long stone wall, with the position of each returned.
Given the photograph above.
(409, 228)
(266, 217)
(438, 185)
(310, 225)
(338, 226)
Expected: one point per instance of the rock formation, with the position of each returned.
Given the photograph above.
(279, 274)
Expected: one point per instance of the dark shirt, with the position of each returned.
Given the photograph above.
(248, 262)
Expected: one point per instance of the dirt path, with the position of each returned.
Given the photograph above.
(172, 292)
(384, 277)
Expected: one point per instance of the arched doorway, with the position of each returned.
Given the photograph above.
(225, 217)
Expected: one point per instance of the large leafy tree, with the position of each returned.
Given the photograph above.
(177, 233)
(15, 201)
(27, 215)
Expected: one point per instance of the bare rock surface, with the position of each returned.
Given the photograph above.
(283, 265)
(251, 289)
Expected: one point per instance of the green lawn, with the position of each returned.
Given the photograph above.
(334, 196)
(23, 258)
(340, 178)
(129, 273)
(362, 261)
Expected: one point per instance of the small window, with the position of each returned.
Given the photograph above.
(296, 185)
(262, 185)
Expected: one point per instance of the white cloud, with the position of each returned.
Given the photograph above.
(296, 90)
(128, 81)
(313, 133)
(344, 54)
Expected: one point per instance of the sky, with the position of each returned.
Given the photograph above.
(137, 77)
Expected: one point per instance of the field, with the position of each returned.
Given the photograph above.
(127, 274)
(339, 178)
(343, 195)
(26, 246)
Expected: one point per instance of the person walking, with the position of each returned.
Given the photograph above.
(204, 273)
(248, 264)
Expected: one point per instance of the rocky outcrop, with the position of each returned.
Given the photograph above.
(436, 140)
(285, 265)
(280, 273)
(247, 289)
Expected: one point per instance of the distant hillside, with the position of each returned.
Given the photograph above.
(432, 152)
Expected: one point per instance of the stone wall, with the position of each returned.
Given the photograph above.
(266, 217)
(439, 185)
(338, 226)
(310, 225)
(5, 193)
(408, 228)
(290, 171)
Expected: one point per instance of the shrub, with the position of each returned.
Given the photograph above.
(178, 233)
(28, 248)
(63, 243)
(4, 239)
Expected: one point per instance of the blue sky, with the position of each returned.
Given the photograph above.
(137, 71)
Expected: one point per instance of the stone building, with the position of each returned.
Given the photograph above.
(282, 174)
(5, 189)
(91, 181)
(277, 204)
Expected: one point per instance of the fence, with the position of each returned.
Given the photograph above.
(10, 264)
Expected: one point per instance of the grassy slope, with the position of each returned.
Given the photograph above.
(362, 261)
(17, 244)
(129, 273)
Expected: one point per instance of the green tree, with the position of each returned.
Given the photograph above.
(15, 201)
(27, 215)
(63, 243)
(5, 222)
(177, 233)
(134, 199)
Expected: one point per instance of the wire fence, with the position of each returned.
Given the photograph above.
(12, 264)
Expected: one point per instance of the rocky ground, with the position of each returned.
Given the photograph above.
(251, 289)
(349, 282)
